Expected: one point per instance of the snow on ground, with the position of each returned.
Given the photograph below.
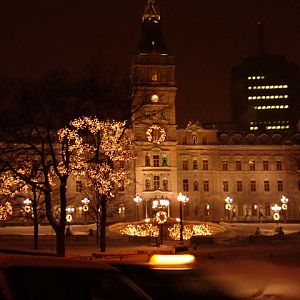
(231, 229)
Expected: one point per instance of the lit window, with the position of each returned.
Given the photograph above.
(154, 76)
(251, 165)
(121, 210)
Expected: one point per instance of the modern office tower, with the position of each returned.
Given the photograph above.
(265, 94)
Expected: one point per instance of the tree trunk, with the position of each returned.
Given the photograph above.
(103, 202)
(35, 221)
(60, 241)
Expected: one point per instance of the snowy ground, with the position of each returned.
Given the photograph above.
(245, 270)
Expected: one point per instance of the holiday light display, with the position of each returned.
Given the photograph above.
(156, 134)
(5, 211)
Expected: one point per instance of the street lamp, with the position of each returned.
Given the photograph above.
(70, 210)
(182, 199)
(228, 206)
(137, 199)
(284, 200)
(276, 209)
(85, 207)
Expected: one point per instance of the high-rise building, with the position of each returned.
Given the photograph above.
(265, 94)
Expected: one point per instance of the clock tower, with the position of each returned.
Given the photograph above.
(153, 114)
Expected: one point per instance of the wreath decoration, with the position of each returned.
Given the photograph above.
(156, 134)
(161, 217)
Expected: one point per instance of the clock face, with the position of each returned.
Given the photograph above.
(154, 98)
(156, 134)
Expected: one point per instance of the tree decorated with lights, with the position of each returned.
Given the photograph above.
(106, 150)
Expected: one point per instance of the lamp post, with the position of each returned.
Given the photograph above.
(137, 199)
(276, 216)
(284, 200)
(85, 207)
(182, 200)
(70, 210)
(228, 206)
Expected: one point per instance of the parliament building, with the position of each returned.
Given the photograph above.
(226, 175)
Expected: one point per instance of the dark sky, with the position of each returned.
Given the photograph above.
(206, 37)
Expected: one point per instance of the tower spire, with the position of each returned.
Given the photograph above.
(152, 40)
(151, 11)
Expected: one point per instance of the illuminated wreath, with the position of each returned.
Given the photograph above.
(161, 217)
(276, 216)
(156, 134)
(69, 218)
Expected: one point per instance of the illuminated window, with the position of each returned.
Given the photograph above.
(224, 165)
(154, 76)
(225, 186)
(205, 186)
(239, 186)
(205, 164)
(238, 165)
(265, 165)
(156, 182)
(196, 186)
(251, 165)
(267, 186)
(184, 165)
(78, 186)
(280, 186)
(278, 165)
(121, 210)
(253, 186)
(206, 210)
(185, 185)
(156, 160)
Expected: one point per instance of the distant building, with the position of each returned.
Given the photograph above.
(265, 94)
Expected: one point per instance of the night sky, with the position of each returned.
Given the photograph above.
(206, 37)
